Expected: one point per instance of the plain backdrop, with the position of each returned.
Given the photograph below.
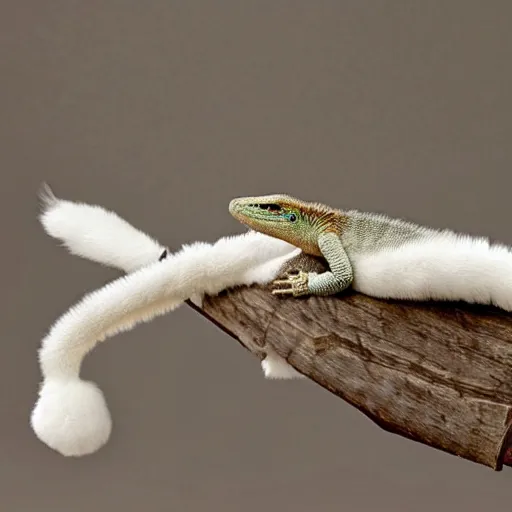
(164, 111)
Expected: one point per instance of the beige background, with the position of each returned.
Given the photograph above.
(165, 110)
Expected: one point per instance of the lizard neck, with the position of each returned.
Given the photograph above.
(319, 220)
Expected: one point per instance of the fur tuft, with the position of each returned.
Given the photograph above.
(71, 417)
(97, 234)
(47, 198)
(276, 367)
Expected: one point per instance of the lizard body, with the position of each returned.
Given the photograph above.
(376, 255)
(380, 256)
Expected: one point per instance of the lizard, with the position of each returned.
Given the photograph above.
(372, 253)
(379, 255)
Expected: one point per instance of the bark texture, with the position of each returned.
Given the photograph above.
(436, 373)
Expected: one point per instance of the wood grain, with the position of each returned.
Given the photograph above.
(436, 373)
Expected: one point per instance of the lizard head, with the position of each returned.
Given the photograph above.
(287, 218)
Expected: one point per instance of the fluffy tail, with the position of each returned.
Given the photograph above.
(80, 421)
(444, 267)
(97, 234)
(71, 415)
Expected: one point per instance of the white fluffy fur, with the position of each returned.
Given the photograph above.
(276, 367)
(446, 266)
(97, 234)
(71, 415)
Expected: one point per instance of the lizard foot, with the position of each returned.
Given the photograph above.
(297, 284)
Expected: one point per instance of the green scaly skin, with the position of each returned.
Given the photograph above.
(320, 230)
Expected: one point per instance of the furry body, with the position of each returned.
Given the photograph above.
(380, 256)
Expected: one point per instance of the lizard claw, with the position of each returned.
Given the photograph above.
(297, 284)
(282, 291)
(284, 281)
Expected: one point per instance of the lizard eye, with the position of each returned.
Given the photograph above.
(292, 217)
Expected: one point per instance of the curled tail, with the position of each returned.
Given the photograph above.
(71, 415)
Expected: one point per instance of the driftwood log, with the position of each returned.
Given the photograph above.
(436, 373)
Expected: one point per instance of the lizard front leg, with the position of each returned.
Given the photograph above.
(337, 279)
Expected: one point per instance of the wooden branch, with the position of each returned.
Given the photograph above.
(436, 373)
